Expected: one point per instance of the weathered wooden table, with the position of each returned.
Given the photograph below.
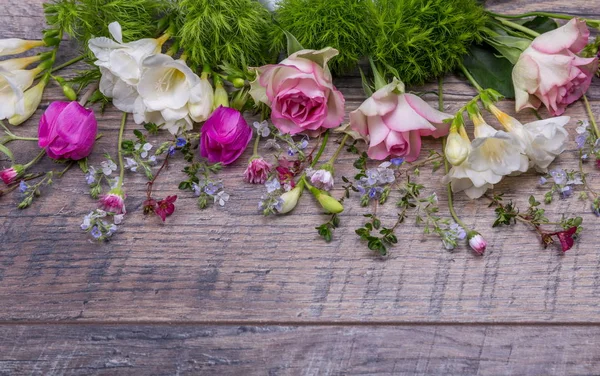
(226, 291)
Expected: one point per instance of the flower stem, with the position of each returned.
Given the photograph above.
(591, 115)
(84, 99)
(120, 150)
(68, 63)
(321, 149)
(470, 78)
(338, 150)
(446, 164)
(35, 160)
(255, 149)
(518, 27)
(562, 16)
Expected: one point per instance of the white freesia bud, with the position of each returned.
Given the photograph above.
(457, 148)
(201, 100)
(19, 63)
(13, 46)
(12, 86)
(32, 99)
(290, 199)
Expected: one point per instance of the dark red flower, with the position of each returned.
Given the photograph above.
(166, 207)
(150, 206)
(598, 163)
(566, 238)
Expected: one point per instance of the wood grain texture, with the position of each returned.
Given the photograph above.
(288, 350)
(230, 263)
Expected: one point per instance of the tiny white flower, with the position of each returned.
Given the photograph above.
(221, 198)
(118, 219)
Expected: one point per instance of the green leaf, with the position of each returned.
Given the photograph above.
(293, 45)
(541, 24)
(490, 71)
(83, 165)
(7, 152)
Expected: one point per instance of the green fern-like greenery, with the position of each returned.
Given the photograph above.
(423, 39)
(214, 32)
(347, 25)
(84, 19)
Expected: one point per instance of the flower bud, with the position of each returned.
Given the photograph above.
(221, 97)
(9, 175)
(477, 242)
(13, 46)
(330, 204)
(238, 82)
(113, 202)
(457, 149)
(290, 199)
(19, 63)
(32, 99)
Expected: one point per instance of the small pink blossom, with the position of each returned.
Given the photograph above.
(322, 179)
(478, 244)
(257, 171)
(166, 207)
(550, 71)
(113, 202)
(9, 175)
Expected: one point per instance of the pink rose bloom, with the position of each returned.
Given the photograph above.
(257, 171)
(225, 136)
(300, 92)
(67, 131)
(395, 122)
(550, 72)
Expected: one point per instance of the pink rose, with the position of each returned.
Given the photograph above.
(300, 92)
(550, 72)
(67, 131)
(225, 136)
(395, 122)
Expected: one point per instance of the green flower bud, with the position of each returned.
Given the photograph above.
(290, 199)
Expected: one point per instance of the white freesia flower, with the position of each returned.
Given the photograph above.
(31, 99)
(19, 63)
(542, 140)
(457, 148)
(12, 86)
(172, 93)
(123, 60)
(495, 150)
(13, 46)
(463, 178)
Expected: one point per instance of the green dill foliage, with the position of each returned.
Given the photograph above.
(423, 39)
(214, 32)
(84, 19)
(346, 25)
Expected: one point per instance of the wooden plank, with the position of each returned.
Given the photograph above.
(232, 264)
(276, 350)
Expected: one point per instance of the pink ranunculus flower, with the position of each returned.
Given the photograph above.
(395, 122)
(300, 92)
(225, 136)
(550, 72)
(67, 131)
(9, 175)
(257, 171)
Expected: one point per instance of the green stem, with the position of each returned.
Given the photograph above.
(68, 63)
(446, 164)
(338, 150)
(35, 160)
(321, 149)
(120, 150)
(591, 115)
(561, 16)
(470, 78)
(255, 149)
(518, 27)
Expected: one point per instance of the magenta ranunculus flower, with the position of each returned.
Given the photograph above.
(257, 171)
(300, 92)
(394, 122)
(549, 71)
(67, 131)
(225, 136)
